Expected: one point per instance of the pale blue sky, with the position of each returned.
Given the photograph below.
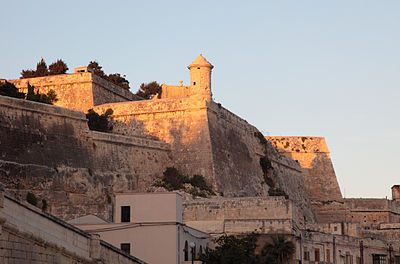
(309, 68)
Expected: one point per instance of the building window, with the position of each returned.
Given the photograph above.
(125, 214)
(186, 251)
(126, 247)
(397, 259)
(378, 259)
(201, 252)
(194, 83)
(358, 260)
(306, 255)
(328, 255)
(349, 258)
(317, 255)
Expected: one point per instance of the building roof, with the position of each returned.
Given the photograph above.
(200, 61)
(88, 220)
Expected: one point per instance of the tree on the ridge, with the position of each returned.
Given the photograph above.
(148, 90)
(41, 68)
(115, 78)
(96, 68)
(58, 67)
(119, 80)
(28, 74)
(278, 251)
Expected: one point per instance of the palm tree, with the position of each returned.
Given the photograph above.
(278, 251)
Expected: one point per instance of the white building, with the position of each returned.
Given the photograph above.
(149, 226)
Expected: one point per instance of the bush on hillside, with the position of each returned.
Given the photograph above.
(9, 89)
(48, 98)
(31, 198)
(99, 122)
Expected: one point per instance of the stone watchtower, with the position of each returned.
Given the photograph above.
(200, 77)
(200, 82)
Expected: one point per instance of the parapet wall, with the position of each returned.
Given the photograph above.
(79, 91)
(239, 215)
(50, 151)
(348, 229)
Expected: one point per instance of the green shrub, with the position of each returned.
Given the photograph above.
(167, 186)
(31, 198)
(173, 178)
(9, 89)
(199, 182)
(99, 122)
(197, 192)
(48, 98)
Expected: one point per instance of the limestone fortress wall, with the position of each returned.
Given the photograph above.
(50, 151)
(80, 90)
(184, 129)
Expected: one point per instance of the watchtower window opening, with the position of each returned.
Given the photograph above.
(198, 68)
(194, 83)
(125, 214)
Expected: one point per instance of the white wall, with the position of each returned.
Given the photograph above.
(150, 207)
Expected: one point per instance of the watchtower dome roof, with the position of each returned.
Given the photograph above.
(200, 61)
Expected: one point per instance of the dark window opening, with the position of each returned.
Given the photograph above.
(317, 256)
(186, 251)
(198, 68)
(378, 259)
(194, 253)
(194, 83)
(306, 255)
(125, 214)
(126, 247)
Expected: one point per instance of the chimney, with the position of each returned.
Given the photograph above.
(396, 193)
